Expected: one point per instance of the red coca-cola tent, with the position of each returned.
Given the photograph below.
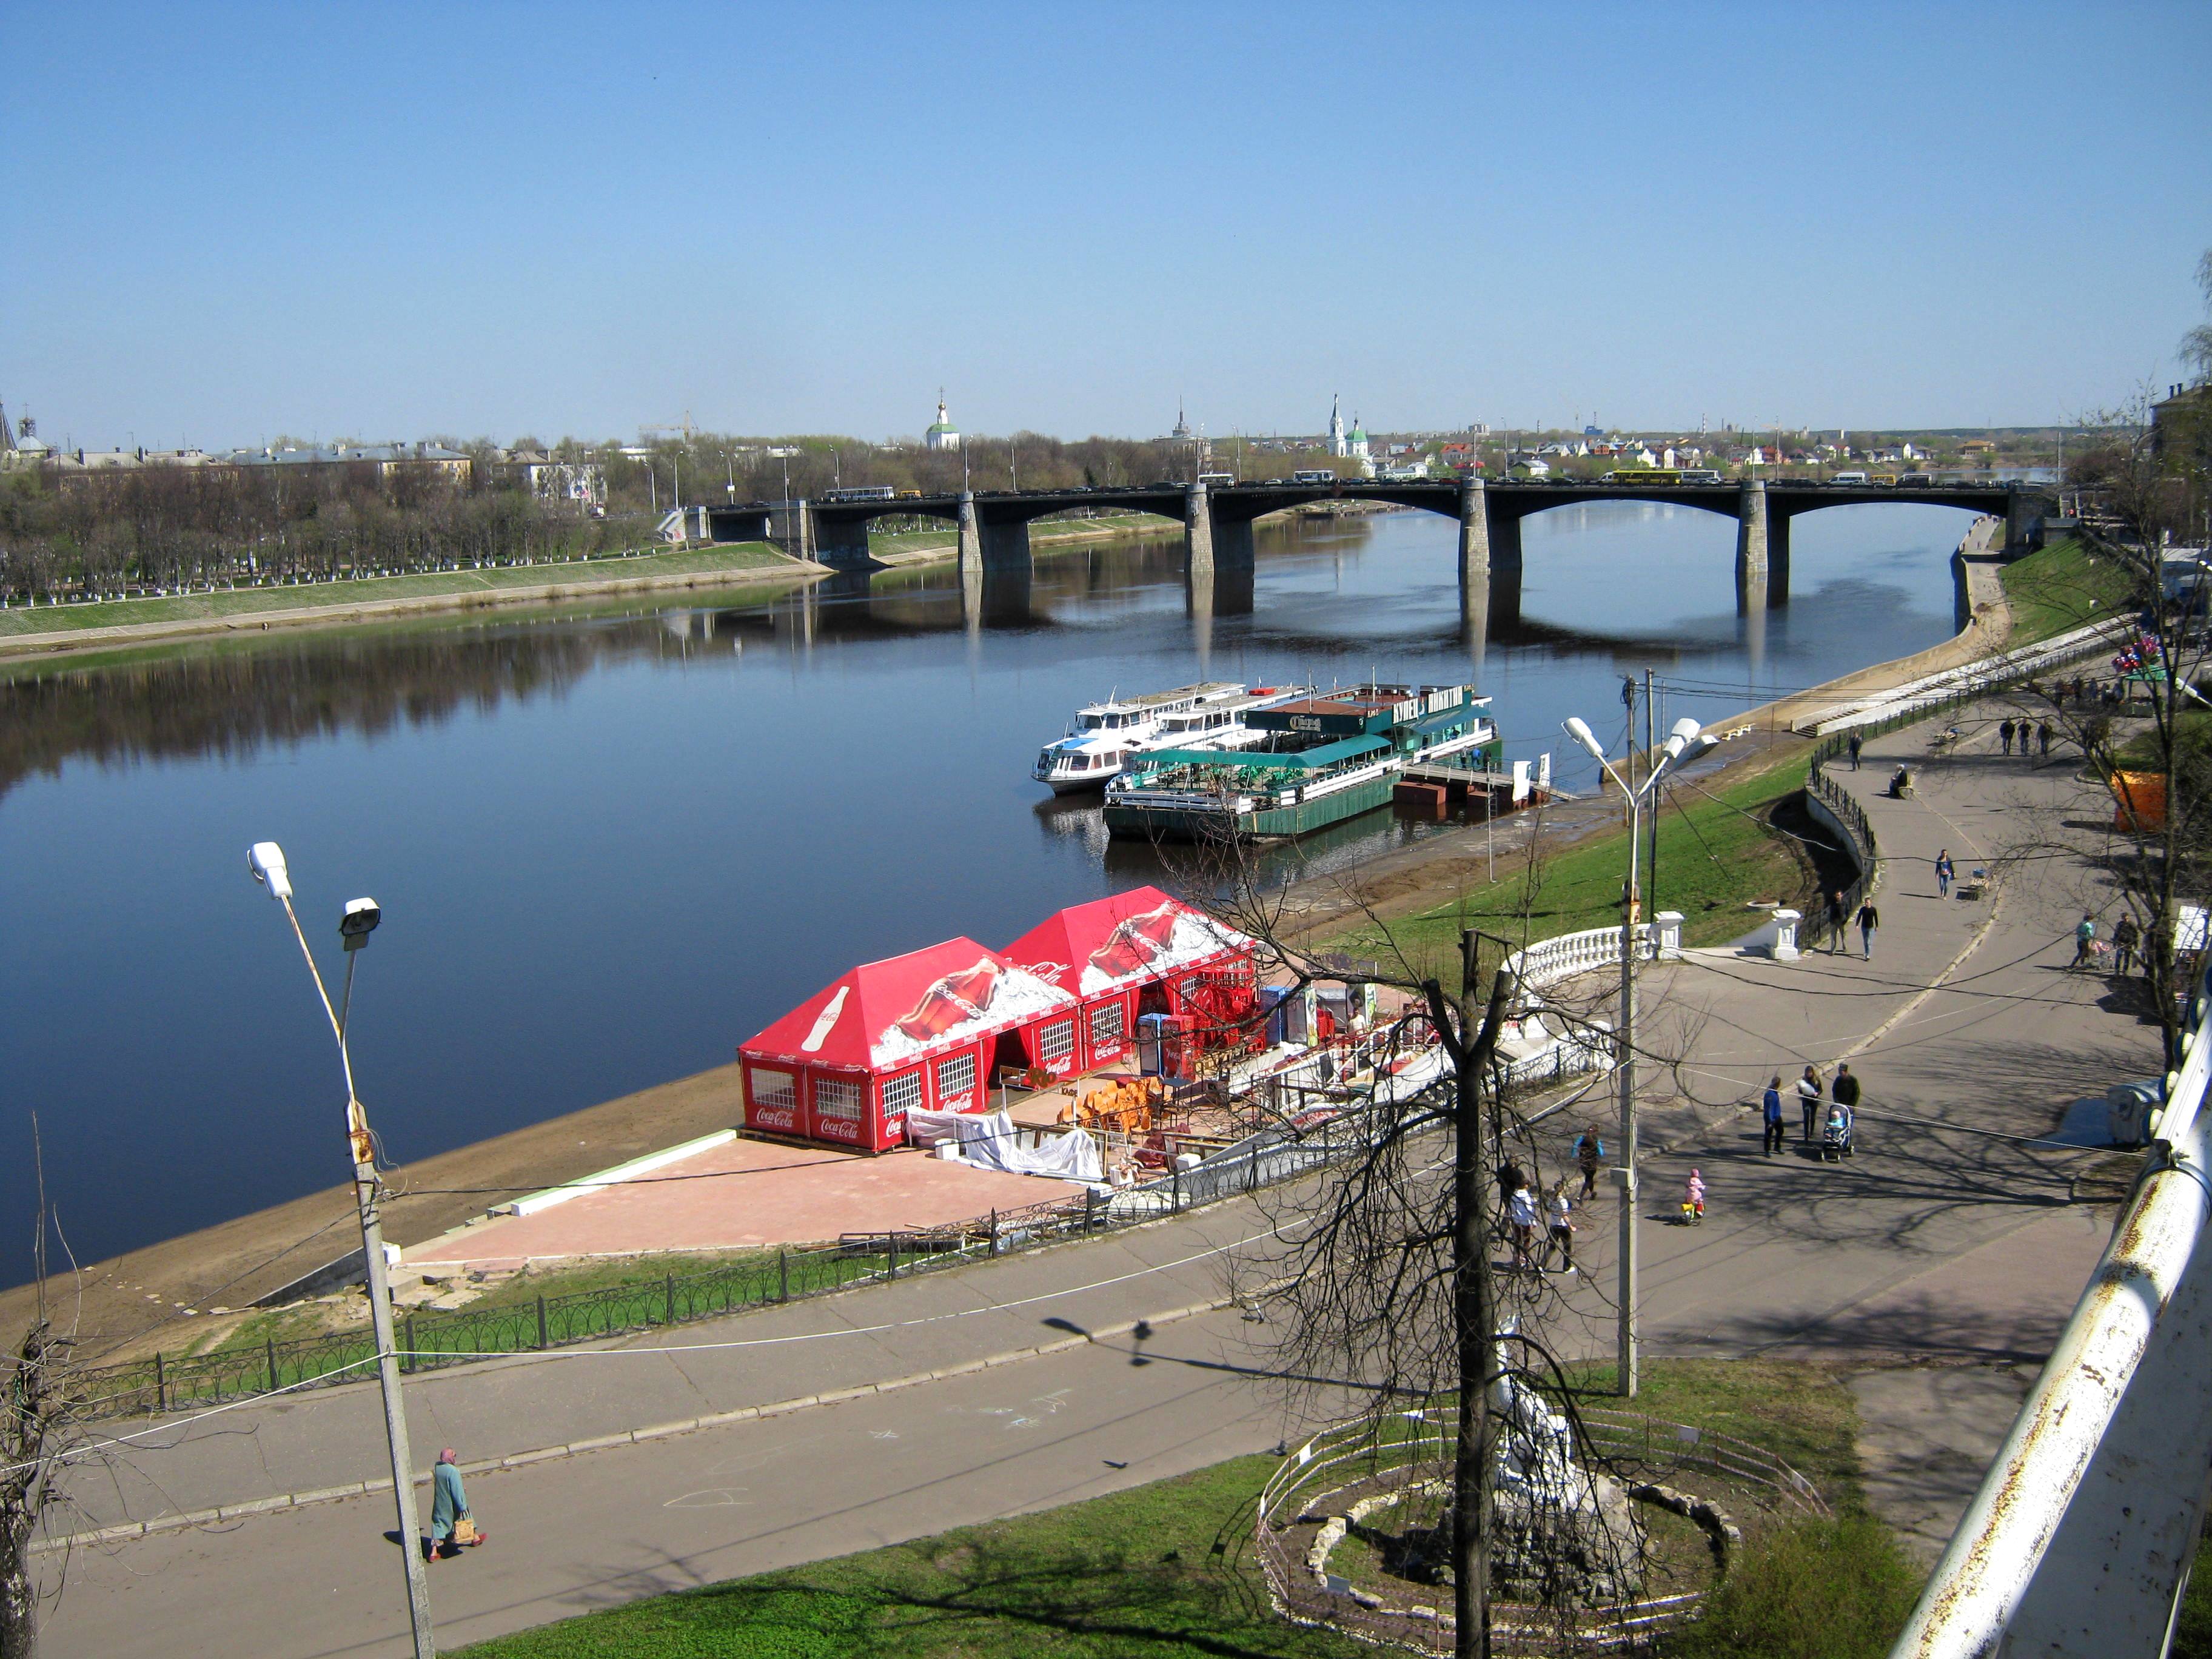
(1138, 952)
(928, 1029)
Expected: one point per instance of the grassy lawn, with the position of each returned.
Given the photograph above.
(1043, 532)
(1717, 851)
(1163, 1570)
(260, 601)
(2059, 587)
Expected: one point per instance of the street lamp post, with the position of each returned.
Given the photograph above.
(266, 859)
(1687, 740)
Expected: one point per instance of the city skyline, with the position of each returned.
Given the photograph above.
(307, 225)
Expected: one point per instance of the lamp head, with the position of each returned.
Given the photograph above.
(266, 859)
(359, 921)
(1687, 729)
(1577, 728)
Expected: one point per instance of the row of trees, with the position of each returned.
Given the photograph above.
(165, 528)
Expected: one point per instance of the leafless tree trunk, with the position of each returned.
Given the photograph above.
(38, 1425)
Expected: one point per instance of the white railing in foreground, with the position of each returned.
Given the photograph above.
(2080, 1537)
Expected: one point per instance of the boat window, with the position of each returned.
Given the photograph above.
(1088, 722)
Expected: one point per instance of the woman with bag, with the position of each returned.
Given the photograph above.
(451, 1526)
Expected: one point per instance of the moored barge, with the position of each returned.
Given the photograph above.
(1323, 759)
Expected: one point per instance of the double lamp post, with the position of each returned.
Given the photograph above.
(1687, 742)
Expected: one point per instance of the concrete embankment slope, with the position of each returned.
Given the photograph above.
(394, 598)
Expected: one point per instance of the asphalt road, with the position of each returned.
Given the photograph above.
(592, 1531)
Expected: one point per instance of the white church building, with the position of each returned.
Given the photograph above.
(942, 434)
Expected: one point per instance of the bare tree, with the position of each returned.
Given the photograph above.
(1386, 1272)
(37, 1428)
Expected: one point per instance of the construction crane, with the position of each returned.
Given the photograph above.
(684, 426)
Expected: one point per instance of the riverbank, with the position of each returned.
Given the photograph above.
(903, 549)
(46, 630)
(230, 1265)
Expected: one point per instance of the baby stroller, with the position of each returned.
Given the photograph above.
(1836, 1136)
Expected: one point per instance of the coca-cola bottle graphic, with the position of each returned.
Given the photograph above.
(953, 1000)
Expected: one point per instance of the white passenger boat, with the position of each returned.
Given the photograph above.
(1107, 735)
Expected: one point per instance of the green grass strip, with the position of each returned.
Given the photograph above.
(229, 603)
(2063, 585)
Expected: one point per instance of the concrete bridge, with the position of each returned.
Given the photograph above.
(994, 526)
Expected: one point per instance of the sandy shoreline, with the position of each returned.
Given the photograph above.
(135, 1296)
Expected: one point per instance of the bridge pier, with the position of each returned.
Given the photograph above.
(1473, 532)
(1762, 550)
(790, 526)
(1198, 529)
(971, 538)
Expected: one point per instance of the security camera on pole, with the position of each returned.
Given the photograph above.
(1689, 743)
(266, 859)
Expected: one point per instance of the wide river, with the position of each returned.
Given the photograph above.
(610, 846)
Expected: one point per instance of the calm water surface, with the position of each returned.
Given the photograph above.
(609, 847)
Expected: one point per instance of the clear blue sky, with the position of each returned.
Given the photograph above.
(224, 222)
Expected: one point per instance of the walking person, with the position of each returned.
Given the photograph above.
(1855, 744)
(2004, 736)
(452, 1525)
(1588, 1151)
(1835, 921)
(2085, 942)
(1845, 1092)
(1943, 873)
(1809, 1103)
(1562, 1237)
(1770, 1105)
(1870, 919)
(2043, 739)
(2125, 938)
(1521, 1211)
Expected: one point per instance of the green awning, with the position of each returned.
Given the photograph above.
(1260, 760)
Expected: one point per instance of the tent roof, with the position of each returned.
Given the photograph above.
(1121, 940)
(886, 1014)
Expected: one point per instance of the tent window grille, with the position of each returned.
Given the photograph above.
(1106, 1023)
(773, 1090)
(956, 1076)
(836, 1096)
(1056, 1043)
(903, 1094)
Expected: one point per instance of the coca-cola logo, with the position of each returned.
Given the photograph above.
(837, 1128)
(774, 1117)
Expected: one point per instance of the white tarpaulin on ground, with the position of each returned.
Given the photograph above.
(990, 1141)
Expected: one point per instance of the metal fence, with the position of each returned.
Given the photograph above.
(429, 1341)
